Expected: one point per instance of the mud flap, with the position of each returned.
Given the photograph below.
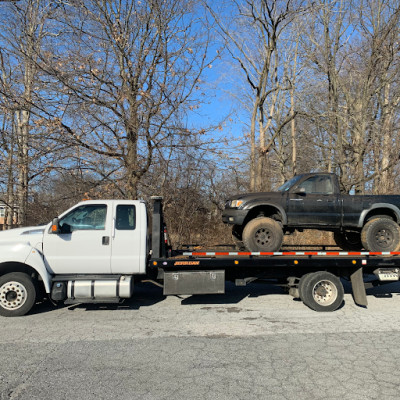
(357, 283)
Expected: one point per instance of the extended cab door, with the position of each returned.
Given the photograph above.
(83, 245)
(128, 246)
(314, 202)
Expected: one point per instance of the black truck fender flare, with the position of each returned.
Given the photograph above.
(251, 206)
(375, 206)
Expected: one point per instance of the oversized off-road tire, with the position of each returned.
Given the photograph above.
(348, 240)
(322, 291)
(262, 234)
(17, 294)
(381, 234)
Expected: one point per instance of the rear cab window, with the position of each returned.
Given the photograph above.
(125, 219)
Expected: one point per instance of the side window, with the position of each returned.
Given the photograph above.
(125, 218)
(308, 185)
(325, 185)
(317, 185)
(90, 217)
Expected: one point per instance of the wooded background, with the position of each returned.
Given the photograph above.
(121, 99)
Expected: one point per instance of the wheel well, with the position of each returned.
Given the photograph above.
(264, 211)
(8, 267)
(381, 212)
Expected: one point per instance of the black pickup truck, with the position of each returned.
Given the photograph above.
(314, 201)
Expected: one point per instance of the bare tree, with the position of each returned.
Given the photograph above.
(127, 74)
(22, 32)
(323, 43)
(352, 47)
(262, 24)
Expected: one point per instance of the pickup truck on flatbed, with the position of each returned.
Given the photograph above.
(314, 201)
(95, 252)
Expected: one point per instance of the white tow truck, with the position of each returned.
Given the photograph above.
(96, 250)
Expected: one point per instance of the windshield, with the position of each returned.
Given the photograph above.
(287, 185)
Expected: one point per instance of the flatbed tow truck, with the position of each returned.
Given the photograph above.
(95, 251)
(314, 276)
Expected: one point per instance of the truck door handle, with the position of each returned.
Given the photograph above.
(105, 240)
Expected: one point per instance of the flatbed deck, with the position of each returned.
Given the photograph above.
(313, 275)
(286, 268)
(325, 260)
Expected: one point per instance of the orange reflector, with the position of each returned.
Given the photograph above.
(236, 262)
(154, 262)
(354, 262)
(295, 262)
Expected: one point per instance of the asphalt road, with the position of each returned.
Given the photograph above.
(253, 343)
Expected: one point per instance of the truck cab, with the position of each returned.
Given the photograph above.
(90, 253)
(100, 236)
(314, 201)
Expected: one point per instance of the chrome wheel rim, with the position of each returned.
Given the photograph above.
(13, 295)
(325, 292)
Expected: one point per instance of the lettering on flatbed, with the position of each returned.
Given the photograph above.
(187, 263)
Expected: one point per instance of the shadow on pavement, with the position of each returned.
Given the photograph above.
(234, 294)
(146, 295)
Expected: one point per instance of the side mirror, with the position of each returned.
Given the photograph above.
(55, 227)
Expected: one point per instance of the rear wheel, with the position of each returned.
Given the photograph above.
(263, 234)
(302, 282)
(381, 234)
(17, 294)
(322, 291)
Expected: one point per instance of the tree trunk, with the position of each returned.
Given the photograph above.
(293, 133)
(23, 165)
(253, 155)
(386, 184)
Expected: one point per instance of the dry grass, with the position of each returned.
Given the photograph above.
(310, 238)
(219, 237)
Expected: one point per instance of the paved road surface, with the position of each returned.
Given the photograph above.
(253, 343)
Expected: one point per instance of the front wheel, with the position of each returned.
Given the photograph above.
(263, 234)
(381, 235)
(17, 294)
(322, 291)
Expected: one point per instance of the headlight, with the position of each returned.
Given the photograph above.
(236, 203)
